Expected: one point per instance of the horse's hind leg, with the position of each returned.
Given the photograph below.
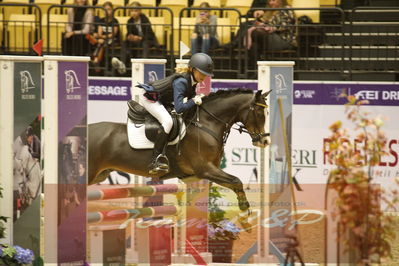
(216, 175)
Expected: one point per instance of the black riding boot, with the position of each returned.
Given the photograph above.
(159, 162)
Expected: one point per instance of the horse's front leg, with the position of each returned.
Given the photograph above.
(214, 174)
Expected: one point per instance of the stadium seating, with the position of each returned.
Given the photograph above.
(14, 9)
(186, 27)
(1, 29)
(56, 28)
(242, 6)
(20, 32)
(313, 14)
(158, 25)
(44, 6)
(123, 22)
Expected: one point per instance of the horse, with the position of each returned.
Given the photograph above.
(31, 172)
(198, 154)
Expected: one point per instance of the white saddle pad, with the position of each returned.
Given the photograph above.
(138, 140)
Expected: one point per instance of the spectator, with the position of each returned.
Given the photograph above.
(274, 30)
(80, 23)
(107, 34)
(33, 143)
(205, 31)
(140, 36)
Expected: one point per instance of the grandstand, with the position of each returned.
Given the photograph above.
(336, 41)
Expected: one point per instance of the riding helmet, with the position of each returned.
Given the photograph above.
(203, 63)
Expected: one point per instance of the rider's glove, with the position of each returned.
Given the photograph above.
(198, 99)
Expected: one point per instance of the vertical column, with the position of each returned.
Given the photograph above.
(197, 199)
(65, 158)
(143, 71)
(20, 149)
(277, 76)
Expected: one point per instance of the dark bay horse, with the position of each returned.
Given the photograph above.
(201, 148)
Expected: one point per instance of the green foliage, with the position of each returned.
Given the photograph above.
(218, 226)
(216, 214)
(358, 205)
(3, 219)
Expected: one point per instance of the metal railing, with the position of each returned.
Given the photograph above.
(373, 40)
(19, 31)
(359, 44)
(227, 58)
(309, 53)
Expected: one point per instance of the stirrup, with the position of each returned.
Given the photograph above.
(157, 166)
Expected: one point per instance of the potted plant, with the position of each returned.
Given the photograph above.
(12, 255)
(15, 255)
(221, 231)
(365, 229)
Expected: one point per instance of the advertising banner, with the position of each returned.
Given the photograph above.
(321, 106)
(27, 185)
(72, 160)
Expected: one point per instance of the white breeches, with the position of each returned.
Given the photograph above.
(157, 110)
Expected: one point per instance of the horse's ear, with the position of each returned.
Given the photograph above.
(258, 95)
(264, 95)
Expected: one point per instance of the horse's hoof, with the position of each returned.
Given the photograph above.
(243, 219)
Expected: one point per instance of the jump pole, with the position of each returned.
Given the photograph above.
(273, 175)
(20, 107)
(65, 132)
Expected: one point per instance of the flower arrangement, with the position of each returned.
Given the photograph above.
(220, 228)
(15, 255)
(358, 206)
(12, 255)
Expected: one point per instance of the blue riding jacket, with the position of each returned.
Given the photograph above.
(171, 91)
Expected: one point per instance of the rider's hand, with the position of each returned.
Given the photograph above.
(198, 99)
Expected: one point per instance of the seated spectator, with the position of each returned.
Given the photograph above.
(80, 23)
(140, 36)
(106, 35)
(274, 30)
(204, 34)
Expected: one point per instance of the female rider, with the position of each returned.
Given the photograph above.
(170, 92)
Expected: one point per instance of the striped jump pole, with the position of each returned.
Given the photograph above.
(123, 215)
(129, 192)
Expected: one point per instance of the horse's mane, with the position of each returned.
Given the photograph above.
(213, 96)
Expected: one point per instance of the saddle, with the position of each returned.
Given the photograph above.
(139, 115)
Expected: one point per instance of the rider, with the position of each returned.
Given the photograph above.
(33, 143)
(170, 92)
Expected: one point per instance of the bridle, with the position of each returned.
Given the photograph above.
(255, 136)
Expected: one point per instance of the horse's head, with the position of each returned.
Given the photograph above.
(254, 120)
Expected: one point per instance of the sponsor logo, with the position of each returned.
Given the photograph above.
(304, 94)
(71, 84)
(244, 156)
(367, 95)
(27, 84)
(337, 93)
(304, 158)
(152, 76)
(108, 90)
(370, 95)
(280, 83)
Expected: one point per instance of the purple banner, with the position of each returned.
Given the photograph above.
(72, 158)
(72, 95)
(228, 85)
(109, 89)
(304, 93)
(330, 94)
